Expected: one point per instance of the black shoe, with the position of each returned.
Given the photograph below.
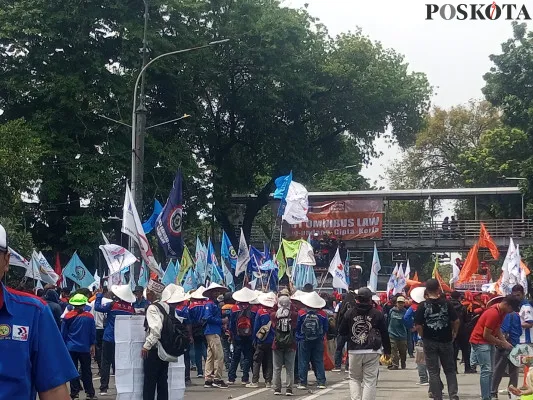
(470, 371)
(393, 368)
(208, 384)
(288, 392)
(220, 384)
(403, 365)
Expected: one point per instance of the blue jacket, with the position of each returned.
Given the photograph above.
(262, 318)
(235, 313)
(112, 309)
(183, 312)
(196, 311)
(213, 319)
(79, 331)
(301, 317)
(512, 326)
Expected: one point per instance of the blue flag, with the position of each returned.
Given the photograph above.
(213, 269)
(228, 277)
(282, 186)
(227, 251)
(170, 274)
(216, 276)
(266, 251)
(257, 258)
(143, 275)
(169, 223)
(149, 224)
(75, 271)
(200, 261)
(190, 283)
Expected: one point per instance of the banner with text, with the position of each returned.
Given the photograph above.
(347, 219)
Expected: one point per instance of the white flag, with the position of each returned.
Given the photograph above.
(131, 226)
(336, 269)
(376, 267)
(306, 255)
(18, 260)
(106, 240)
(243, 256)
(407, 270)
(455, 273)
(38, 286)
(400, 283)
(510, 269)
(117, 257)
(392, 280)
(297, 204)
(33, 272)
(253, 284)
(96, 280)
(47, 273)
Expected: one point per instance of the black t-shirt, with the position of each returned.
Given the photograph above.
(436, 316)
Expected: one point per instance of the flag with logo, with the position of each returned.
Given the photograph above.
(143, 275)
(336, 269)
(190, 283)
(400, 283)
(117, 257)
(374, 272)
(213, 268)
(227, 251)
(33, 271)
(75, 271)
(47, 273)
(186, 264)
(200, 260)
(18, 260)
(131, 226)
(171, 274)
(228, 276)
(243, 257)
(169, 224)
(392, 280)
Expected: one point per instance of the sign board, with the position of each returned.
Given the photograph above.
(347, 219)
(475, 283)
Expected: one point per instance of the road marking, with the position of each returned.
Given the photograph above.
(321, 392)
(244, 396)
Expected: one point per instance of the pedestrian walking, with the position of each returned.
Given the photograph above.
(262, 339)
(461, 342)
(121, 304)
(310, 332)
(52, 299)
(226, 305)
(367, 330)
(398, 334)
(99, 319)
(241, 324)
(79, 334)
(212, 317)
(196, 312)
(486, 335)
(346, 305)
(417, 296)
(182, 312)
(437, 323)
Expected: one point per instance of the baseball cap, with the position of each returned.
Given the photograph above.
(364, 294)
(3, 240)
(400, 299)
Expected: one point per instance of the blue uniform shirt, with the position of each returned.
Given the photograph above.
(213, 319)
(34, 356)
(79, 331)
(512, 326)
(143, 304)
(112, 309)
(323, 318)
(262, 319)
(234, 316)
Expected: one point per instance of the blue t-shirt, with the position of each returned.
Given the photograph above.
(34, 356)
(512, 326)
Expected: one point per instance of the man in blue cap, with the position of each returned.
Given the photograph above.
(30, 339)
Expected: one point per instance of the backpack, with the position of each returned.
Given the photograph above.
(244, 323)
(283, 336)
(332, 327)
(312, 327)
(174, 335)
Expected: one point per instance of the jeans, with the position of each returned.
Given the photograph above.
(311, 351)
(410, 345)
(187, 361)
(483, 355)
(214, 364)
(263, 360)
(398, 351)
(98, 348)
(281, 358)
(226, 346)
(437, 354)
(422, 373)
(243, 348)
(200, 350)
(108, 359)
(341, 343)
(364, 370)
(155, 376)
(501, 361)
(84, 360)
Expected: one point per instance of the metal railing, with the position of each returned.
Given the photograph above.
(462, 229)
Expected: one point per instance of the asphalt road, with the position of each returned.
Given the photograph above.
(397, 385)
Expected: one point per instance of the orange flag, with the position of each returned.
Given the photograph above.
(443, 285)
(524, 267)
(415, 277)
(470, 265)
(486, 241)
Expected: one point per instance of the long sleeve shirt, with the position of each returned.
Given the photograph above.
(79, 331)
(213, 319)
(262, 319)
(397, 328)
(234, 316)
(154, 320)
(302, 314)
(112, 309)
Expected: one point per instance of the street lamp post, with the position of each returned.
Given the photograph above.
(138, 130)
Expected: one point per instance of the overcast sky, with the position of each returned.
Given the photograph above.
(453, 54)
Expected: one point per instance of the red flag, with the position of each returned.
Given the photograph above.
(58, 270)
(470, 265)
(415, 277)
(486, 241)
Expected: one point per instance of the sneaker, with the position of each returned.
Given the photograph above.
(301, 387)
(268, 384)
(403, 365)
(245, 383)
(220, 384)
(321, 387)
(231, 383)
(470, 371)
(289, 392)
(200, 376)
(336, 370)
(92, 398)
(74, 396)
(208, 384)
(188, 383)
(393, 368)
(103, 392)
(277, 392)
(252, 385)
(424, 384)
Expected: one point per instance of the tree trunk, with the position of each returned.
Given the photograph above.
(253, 206)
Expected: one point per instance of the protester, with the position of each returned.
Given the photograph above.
(212, 317)
(226, 306)
(263, 338)
(140, 303)
(242, 321)
(310, 331)
(123, 298)
(347, 304)
(284, 321)
(398, 334)
(417, 295)
(196, 311)
(486, 335)
(64, 297)
(437, 323)
(367, 330)
(512, 330)
(28, 350)
(182, 311)
(155, 357)
(99, 319)
(461, 342)
(52, 299)
(79, 333)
